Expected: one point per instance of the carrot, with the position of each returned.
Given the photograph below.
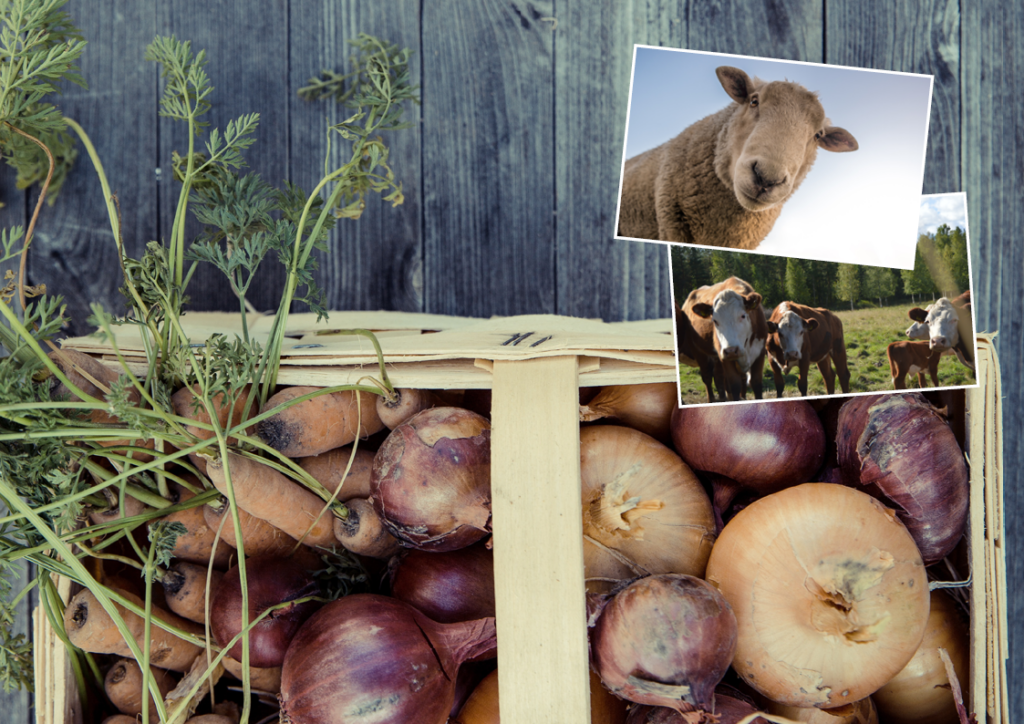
(407, 403)
(261, 679)
(259, 537)
(363, 533)
(123, 686)
(185, 588)
(120, 719)
(319, 424)
(328, 467)
(196, 546)
(184, 406)
(91, 629)
(269, 495)
(211, 719)
(132, 506)
(84, 372)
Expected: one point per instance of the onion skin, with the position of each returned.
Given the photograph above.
(766, 447)
(431, 480)
(447, 587)
(829, 591)
(642, 501)
(730, 710)
(864, 712)
(695, 632)
(901, 450)
(270, 581)
(647, 408)
(367, 654)
(919, 694)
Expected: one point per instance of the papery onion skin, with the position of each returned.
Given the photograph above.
(431, 480)
(920, 693)
(647, 408)
(863, 712)
(447, 587)
(643, 502)
(900, 449)
(766, 446)
(829, 591)
(728, 709)
(367, 654)
(665, 641)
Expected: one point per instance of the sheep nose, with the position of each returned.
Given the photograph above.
(764, 179)
(730, 353)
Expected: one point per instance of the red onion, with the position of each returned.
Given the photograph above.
(270, 581)
(666, 641)
(367, 654)
(431, 479)
(900, 450)
(447, 587)
(728, 709)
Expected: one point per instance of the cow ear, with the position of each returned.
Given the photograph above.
(917, 314)
(811, 324)
(772, 327)
(702, 310)
(752, 300)
(837, 140)
(735, 82)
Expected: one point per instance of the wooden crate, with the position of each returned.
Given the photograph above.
(534, 366)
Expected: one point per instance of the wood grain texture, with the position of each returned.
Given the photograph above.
(789, 29)
(375, 262)
(540, 610)
(488, 157)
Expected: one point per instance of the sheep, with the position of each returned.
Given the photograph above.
(724, 179)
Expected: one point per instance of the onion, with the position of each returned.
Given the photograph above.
(447, 587)
(270, 581)
(899, 449)
(482, 705)
(920, 693)
(861, 712)
(641, 503)
(829, 591)
(647, 408)
(431, 479)
(765, 447)
(666, 641)
(367, 654)
(728, 708)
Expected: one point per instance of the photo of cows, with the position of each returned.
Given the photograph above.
(752, 327)
(776, 156)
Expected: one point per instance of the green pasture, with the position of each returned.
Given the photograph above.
(867, 332)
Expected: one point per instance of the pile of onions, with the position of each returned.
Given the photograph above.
(902, 451)
(447, 587)
(920, 693)
(647, 408)
(431, 480)
(829, 592)
(366, 654)
(665, 641)
(643, 508)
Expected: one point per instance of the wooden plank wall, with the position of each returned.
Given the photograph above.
(511, 169)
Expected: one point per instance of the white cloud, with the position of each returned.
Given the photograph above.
(942, 209)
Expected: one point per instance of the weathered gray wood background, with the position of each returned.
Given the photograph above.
(511, 171)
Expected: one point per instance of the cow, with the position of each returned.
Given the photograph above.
(911, 358)
(803, 335)
(949, 326)
(696, 351)
(729, 316)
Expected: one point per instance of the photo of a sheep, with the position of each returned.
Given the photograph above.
(785, 158)
(752, 327)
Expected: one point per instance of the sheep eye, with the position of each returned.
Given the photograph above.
(818, 135)
(753, 101)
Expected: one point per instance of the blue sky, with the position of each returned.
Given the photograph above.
(873, 217)
(939, 209)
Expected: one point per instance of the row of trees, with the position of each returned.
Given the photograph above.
(940, 268)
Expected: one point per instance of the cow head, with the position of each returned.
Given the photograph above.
(941, 319)
(730, 313)
(917, 330)
(791, 329)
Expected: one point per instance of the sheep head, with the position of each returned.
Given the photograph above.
(772, 138)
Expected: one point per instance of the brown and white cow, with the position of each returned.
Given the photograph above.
(697, 351)
(949, 326)
(803, 335)
(729, 315)
(912, 358)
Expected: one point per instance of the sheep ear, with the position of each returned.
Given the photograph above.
(702, 310)
(811, 324)
(837, 140)
(917, 314)
(735, 82)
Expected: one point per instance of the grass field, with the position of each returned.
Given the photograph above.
(867, 332)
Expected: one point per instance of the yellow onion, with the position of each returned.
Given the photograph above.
(829, 592)
(643, 504)
(920, 693)
(647, 408)
(860, 712)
